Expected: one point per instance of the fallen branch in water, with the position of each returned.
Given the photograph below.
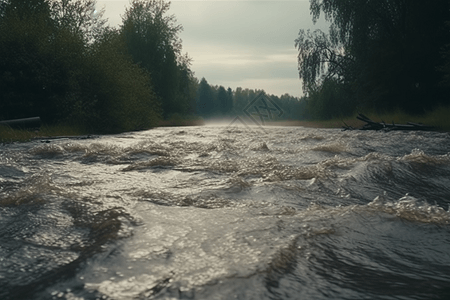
(371, 125)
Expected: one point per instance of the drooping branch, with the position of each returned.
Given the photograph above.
(319, 55)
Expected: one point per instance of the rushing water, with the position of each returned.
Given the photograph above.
(219, 212)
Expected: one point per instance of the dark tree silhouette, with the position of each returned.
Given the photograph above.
(385, 52)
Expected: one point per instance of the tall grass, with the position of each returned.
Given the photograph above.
(9, 135)
(439, 118)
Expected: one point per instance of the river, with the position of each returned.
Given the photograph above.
(224, 212)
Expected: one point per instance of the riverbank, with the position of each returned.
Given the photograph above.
(438, 118)
(9, 135)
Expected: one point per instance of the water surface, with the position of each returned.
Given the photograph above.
(218, 212)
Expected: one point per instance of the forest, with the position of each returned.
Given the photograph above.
(60, 61)
(220, 103)
(378, 55)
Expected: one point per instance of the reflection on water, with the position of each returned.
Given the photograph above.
(227, 213)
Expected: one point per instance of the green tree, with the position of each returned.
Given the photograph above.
(43, 56)
(328, 101)
(222, 99)
(321, 57)
(445, 68)
(152, 40)
(293, 107)
(385, 52)
(205, 99)
(239, 100)
(118, 95)
(80, 17)
(28, 81)
(50, 66)
(187, 87)
(230, 101)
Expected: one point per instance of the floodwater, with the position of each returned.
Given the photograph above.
(217, 212)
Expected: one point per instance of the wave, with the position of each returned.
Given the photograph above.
(419, 156)
(331, 147)
(218, 212)
(412, 209)
(156, 162)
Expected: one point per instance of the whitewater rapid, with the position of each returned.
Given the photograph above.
(225, 212)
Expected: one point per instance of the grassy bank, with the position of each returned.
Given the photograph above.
(8, 134)
(439, 118)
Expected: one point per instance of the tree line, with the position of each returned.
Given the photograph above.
(60, 61)
(378, 55)
(216, 102)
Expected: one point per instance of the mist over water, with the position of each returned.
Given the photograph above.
(227, 212)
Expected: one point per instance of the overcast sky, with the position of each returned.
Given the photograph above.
(248, 44)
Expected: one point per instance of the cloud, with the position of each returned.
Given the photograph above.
(215, 56)
(262, 23)
(239, 42)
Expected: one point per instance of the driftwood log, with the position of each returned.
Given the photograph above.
(371, 125)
